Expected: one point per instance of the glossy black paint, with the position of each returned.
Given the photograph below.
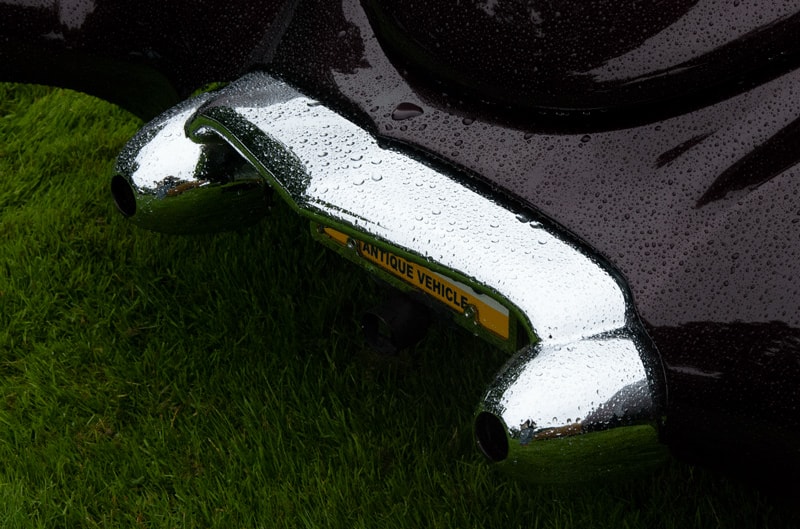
(143, 55)
(678, 165)
(593, 62)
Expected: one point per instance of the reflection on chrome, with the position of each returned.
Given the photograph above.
(168, 183)
(574, 405)
(572, 412)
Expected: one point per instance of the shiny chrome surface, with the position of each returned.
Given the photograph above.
(166, 182)
(592, 374)
(574, 412)
(332, 169)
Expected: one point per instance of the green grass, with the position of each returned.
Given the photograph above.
(220, 381)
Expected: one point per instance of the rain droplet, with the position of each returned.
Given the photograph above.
(406, 111)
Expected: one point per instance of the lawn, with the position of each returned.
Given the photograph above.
(221, 381)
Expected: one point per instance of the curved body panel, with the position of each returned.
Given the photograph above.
(144, 56)
(601, 57)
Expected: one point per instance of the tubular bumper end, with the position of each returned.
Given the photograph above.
(570, 414)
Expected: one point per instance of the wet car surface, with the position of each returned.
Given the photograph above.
(660, 139)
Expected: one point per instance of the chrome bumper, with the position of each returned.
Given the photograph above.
(585, 393)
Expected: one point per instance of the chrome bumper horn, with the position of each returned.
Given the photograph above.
(168, 183)
(585, 400)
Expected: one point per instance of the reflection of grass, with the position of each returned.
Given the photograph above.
(628, 450)
(156, 381)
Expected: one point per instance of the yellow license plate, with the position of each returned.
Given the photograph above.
(484, 310)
